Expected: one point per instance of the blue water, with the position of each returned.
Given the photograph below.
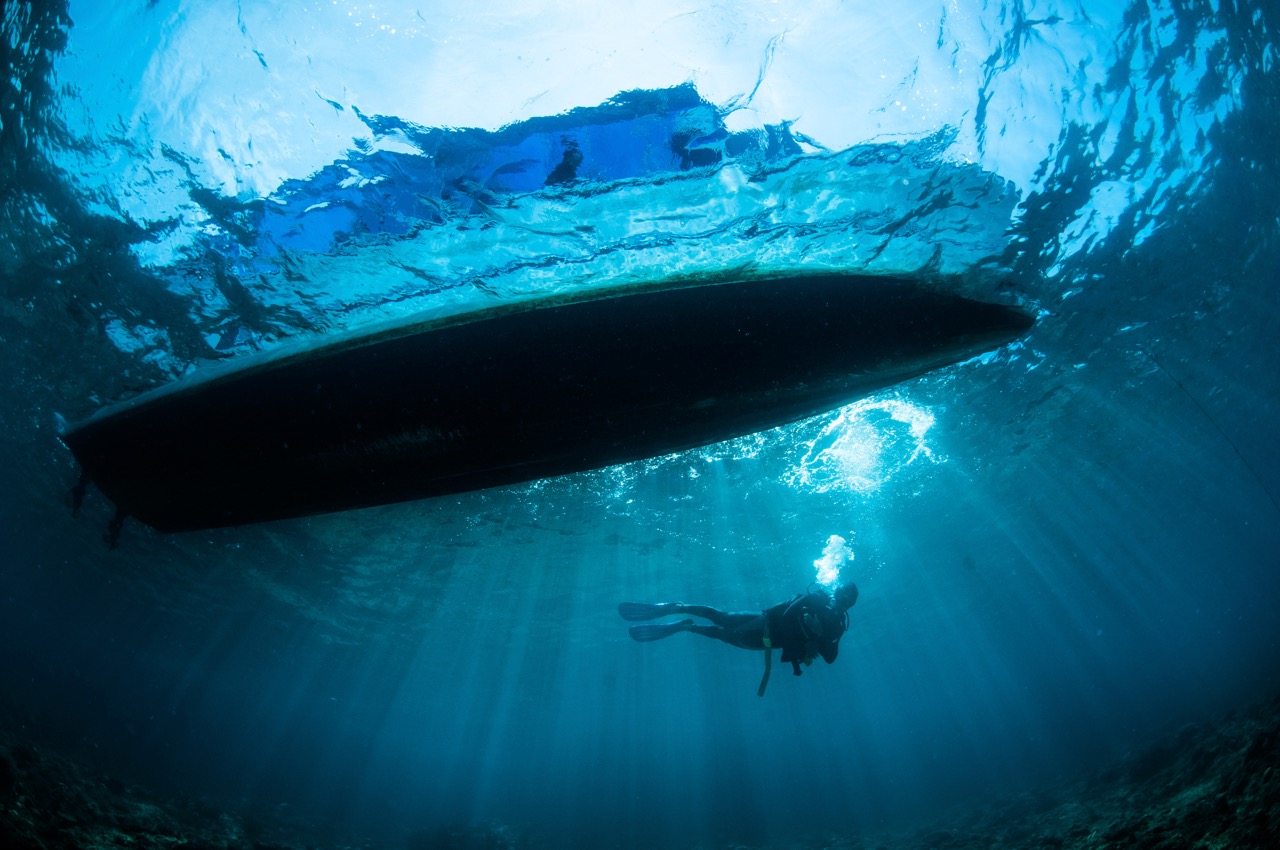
(1065, 549)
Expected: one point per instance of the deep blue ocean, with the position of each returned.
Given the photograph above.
(1066, 548)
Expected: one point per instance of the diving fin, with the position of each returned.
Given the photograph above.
(647, 611)
(657, 631)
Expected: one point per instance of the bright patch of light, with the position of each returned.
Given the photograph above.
(137, 338)
(863, 447)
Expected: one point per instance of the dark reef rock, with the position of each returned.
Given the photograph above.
(1203, 787)
(8, 774)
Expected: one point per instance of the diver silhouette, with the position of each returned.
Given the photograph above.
(804, 627)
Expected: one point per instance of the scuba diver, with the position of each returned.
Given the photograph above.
(803, 627)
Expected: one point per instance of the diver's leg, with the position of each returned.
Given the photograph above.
(746, 633)
(638, 611)
(720, 618)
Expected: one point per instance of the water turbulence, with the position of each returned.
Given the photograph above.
(527, 390)
(863, 447)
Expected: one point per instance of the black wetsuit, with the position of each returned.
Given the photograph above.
(801, 639)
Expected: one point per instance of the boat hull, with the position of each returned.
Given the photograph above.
(520, 393)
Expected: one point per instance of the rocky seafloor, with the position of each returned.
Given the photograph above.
(1208, 786)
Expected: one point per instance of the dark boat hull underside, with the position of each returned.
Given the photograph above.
(513, 395)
